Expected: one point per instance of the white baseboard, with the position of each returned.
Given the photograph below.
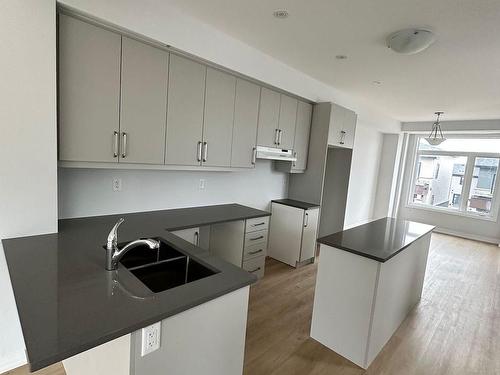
(14, 361)
(468, 236)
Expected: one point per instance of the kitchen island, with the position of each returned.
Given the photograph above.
(369, 278)
(71, 308)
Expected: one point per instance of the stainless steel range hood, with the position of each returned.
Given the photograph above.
(272, 153)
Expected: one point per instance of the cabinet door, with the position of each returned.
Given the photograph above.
(246, 116)
(191, 235)
(218, 119)
(310, 229)
(269, 113)
(349, 128)
(285, 233)
(302, 131)
(89, 91)
(144, 103)
(335, 135)
(186, 97)
(287, 120)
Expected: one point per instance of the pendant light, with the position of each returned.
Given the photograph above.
(435, 138)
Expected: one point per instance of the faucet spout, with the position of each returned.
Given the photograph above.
(114, 254)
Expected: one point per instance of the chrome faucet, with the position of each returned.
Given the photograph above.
(114, 254)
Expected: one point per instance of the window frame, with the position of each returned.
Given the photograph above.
(466, 187)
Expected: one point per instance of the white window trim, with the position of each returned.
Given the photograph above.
(469, 169)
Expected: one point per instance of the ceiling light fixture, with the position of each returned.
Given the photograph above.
(341, 57)
(436, 137)
(376, 82)
(410, 41)
(281, 13)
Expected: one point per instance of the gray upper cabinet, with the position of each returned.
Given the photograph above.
(89, 91)
(287, 119)
(267, 133)
(218, 119)
(186, 99)
(342, 127)
(246, 115)
(143, 103)
(302, 131)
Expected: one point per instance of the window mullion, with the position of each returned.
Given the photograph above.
(469, 171)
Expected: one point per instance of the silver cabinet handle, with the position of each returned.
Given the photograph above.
(198, 151)
(276, 136)
(254, 155)
(205, 151)
(280, 133)
(255, 270)
(342, 136)
(306, 221)
(255, 252)
(256, 238)
(258, 224)
(124, 144)
(115, 144)
(294, 163)
(196, 238)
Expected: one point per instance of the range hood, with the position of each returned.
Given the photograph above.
(272, 153)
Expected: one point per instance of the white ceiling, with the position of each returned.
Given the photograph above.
(459, 74)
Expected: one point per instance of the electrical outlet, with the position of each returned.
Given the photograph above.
(151, 339)
(202, 184)
(117, 184)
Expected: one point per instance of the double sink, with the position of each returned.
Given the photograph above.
(164, 268)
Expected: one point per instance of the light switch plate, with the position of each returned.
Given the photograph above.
(151, 336)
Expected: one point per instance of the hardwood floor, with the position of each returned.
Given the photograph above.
(455, 329)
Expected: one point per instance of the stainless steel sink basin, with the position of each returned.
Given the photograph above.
(165, 268)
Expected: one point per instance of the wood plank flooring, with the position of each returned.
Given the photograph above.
(455, 329)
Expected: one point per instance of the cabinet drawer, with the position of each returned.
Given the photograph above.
(258, 223)
(255, 251)
(255, 266)
(258, 237)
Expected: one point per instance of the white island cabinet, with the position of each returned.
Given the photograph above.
(369, 278)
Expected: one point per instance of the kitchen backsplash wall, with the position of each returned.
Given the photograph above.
(89, 192)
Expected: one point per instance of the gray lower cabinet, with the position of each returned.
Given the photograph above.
(218, 118)
(302, 131)
(186, 100)
(143, 103)
(89, 91)
(269, 113)
(246, 115)
(287, 119)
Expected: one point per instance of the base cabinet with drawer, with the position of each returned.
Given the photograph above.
(293, 230)
(242, 243)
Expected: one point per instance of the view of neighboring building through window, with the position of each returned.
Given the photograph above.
(458, 168)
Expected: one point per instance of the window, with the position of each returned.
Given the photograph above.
(459, 175)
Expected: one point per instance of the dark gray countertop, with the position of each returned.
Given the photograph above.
(68, 302)
(379, 240)
(295, 203)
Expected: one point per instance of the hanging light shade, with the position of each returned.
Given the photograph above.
(436, 137)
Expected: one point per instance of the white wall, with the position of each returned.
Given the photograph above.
(364, 175)
(86, 192)
(28, 183)
(484, 230)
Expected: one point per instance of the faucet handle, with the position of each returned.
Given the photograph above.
(113, 234)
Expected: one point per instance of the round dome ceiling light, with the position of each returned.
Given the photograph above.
(410, 41)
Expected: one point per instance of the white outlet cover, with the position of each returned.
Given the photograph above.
(117, 184)
(202, 183)
(151, 337)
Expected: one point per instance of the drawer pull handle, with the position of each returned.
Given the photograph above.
(255, 252)
(256, 238)
(256, 225)
(255, 270)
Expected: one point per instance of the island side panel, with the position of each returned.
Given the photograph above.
(399, 289)
(343, 302)
(208, 339)
(112, 357)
